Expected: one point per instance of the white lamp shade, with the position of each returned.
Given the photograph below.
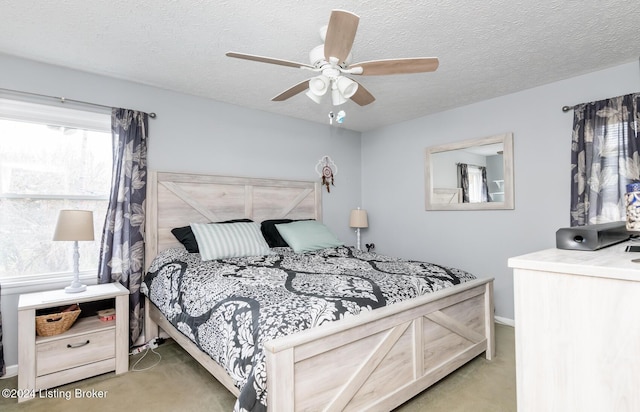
(316, 98)
(319, 85)
(358, 218)
(337, 98)
(347, 87)
(74, 225)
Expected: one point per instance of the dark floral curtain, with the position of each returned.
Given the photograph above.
(122, 249)
(463, 181)
(604, 158)
(485, 185)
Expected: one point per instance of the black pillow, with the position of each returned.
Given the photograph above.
(188, 239)
(271, 234)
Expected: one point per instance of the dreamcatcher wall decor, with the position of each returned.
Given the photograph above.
(327, 170)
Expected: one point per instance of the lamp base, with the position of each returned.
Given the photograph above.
(75, 288)
(75, 285)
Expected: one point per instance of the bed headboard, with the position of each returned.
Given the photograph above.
(178, 199)
(445, 195)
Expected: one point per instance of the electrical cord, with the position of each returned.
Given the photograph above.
(134, 367)
(150, 346)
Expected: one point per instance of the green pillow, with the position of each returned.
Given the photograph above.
(226, 240)
(307, 236)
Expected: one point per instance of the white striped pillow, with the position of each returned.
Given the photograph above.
(220, 241)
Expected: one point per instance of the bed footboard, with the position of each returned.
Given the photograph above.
(378, 360)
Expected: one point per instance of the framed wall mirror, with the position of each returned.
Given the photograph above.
(474, 174)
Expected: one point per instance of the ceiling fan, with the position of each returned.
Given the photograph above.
(332, 62)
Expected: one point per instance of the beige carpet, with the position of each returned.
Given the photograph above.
(178, 383)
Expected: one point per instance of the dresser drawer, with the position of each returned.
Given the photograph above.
(60, 354)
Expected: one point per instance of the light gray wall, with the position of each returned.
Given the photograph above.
(482, 241)
(193, 134)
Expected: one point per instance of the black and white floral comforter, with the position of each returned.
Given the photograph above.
(230, 307)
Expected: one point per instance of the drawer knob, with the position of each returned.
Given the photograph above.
(78, 345)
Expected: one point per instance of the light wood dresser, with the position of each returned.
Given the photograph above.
(90, 347)
(577, 330)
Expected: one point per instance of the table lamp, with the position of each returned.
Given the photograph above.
(358, 219)
(75, 225)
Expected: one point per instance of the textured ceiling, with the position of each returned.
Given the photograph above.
(486, 48)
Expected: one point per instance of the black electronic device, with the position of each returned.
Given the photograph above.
(591, 237)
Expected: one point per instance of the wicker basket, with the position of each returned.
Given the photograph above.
(56, 323)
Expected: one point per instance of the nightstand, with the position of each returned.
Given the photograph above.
(90, 347)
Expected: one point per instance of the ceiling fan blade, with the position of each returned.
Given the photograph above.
(340, 35)
(270, 60)
(396, 66)
(362, 96)
(292, 91)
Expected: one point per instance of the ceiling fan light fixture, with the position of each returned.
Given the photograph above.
(319, 85)
(337, 98)
(346, 86)
(314, 97)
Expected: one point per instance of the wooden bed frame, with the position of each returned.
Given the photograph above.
(447, 195)
(373, 361)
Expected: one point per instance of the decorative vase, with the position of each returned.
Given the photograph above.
(632, 207)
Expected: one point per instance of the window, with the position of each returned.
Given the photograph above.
(476, 185)
(51, 158)
(604, 158)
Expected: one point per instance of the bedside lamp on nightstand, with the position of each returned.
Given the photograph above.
(358, 219)
(75, 225)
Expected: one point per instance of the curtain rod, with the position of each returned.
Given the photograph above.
(469, 164)
(64, 99)
(567, 108)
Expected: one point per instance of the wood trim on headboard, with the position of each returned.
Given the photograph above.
(179, 199)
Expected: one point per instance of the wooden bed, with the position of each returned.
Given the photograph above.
(374, 361)
(447, 195)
